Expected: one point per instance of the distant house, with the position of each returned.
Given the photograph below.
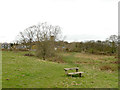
(21, 47)
(5, 46)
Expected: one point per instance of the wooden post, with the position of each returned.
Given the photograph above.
(76, 70)
(80, 74)
(66, 71)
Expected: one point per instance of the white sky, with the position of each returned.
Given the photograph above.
(80, 19)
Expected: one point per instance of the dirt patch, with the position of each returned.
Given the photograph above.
(29, 54)
(57, 59)
(78, 62)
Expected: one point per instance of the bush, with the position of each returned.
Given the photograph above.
(57, 59)
(45, 49)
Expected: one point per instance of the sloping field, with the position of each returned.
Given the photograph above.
(21, 71)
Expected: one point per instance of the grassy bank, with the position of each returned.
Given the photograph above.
(21, 71)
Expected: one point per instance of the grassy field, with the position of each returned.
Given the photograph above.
(21, 71)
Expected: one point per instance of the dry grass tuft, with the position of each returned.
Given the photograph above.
(66, 54)
(57, 59)
(115, 62)
(107, 67)
(91, 56)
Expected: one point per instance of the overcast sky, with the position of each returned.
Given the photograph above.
(80, 20)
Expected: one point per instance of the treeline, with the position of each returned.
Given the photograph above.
(45, 40)
(107, 47)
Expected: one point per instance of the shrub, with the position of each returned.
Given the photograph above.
(57, 59)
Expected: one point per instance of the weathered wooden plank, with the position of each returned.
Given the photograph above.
(71, 68)
(73, 73)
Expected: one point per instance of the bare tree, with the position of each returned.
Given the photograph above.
(27, 36)
(113, 42)
(46, 35)
(113, 38)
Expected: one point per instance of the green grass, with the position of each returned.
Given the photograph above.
(21, 71)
